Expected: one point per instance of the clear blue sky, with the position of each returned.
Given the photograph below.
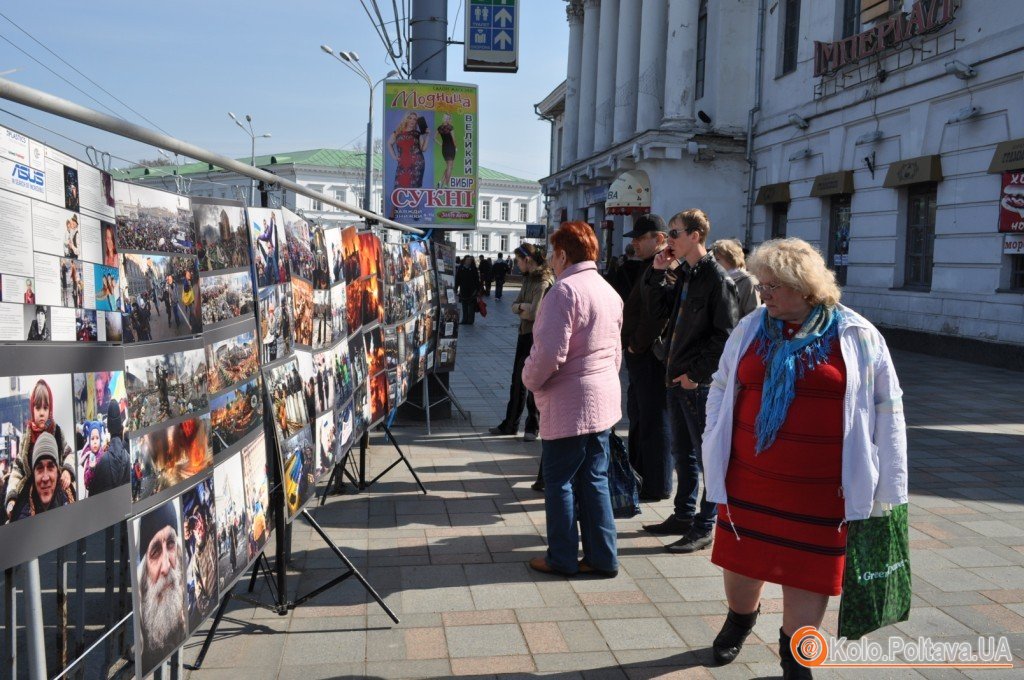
(185, 64)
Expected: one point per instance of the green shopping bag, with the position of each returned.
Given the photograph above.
(876, 581)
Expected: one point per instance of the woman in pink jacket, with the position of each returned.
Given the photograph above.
(573, 372)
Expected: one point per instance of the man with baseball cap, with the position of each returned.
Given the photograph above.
(162, 597)
(650, 450)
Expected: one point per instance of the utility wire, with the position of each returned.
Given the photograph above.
(73, 68)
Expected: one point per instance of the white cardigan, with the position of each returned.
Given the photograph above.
(874, 430)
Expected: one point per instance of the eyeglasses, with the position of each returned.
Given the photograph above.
(676, 233)
(763, 288)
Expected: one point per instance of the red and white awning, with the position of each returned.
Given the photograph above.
(629, 194)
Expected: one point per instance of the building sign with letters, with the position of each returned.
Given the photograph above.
(492, 36)
(1011, 203)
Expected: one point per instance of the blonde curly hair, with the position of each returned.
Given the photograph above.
(797, 265)
(731, 250)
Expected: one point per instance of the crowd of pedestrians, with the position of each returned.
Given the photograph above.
(776, 407)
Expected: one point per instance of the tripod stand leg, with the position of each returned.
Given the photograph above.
(213, 631)
(465, 414)
(405, 460)
(351, 567)
(330, 482)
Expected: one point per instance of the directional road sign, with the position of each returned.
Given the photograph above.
(492, 36)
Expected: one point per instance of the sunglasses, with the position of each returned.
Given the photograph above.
(676, 233)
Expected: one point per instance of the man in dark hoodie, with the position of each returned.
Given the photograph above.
(650, 450)
(114, 468)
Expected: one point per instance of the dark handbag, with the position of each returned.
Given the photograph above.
(876, 578)
(481, 306)
(623, 481)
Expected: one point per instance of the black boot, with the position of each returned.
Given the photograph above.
(733, 634)
(539, 484)
(791, 668)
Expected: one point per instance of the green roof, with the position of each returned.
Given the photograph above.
(344, 158)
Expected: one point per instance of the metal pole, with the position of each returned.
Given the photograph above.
(58, 106)
(10, 645)
(428, 47)
(34, 622)
(252, 162)
(367, 190)
(62, 607)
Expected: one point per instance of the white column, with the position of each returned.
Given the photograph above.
(588, 78)
(570, 125)
(627, 62)
(604, 113)
(651, 85)
(681, 62)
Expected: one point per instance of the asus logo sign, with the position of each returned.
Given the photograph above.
(26, 177)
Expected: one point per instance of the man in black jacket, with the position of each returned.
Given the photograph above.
(650, 451)
(114, 469)
(702, 310)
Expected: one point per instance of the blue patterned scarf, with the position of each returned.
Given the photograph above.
(786, 361)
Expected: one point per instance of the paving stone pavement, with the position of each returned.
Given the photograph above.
(452, 563)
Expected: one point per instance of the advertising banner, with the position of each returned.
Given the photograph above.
(1011, 203)
(430, 160)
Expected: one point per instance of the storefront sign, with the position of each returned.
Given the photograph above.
(1013, 244)
(1008, 156)
(1011, 203)
(596, 194)
(629, 194)
(773, 193)
(924, 17)
(914, 171)
(833, 183)
(430, 154)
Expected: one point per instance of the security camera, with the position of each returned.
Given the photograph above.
(960, 70)
(798, 121)
(965, 114)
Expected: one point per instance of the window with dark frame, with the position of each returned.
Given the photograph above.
(702, 48)
(790, 35)
(851, 17)
(485, 210)
(503, 240)
(1017, 273)
(780, 217)
(839, 236)
(523, 209)
(466, 241)
(920, 244)
(504, 211)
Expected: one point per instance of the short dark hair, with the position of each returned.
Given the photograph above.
(692, 220)
(577, 240)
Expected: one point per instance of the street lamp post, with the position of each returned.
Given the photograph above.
(252, 152)
(351, 60)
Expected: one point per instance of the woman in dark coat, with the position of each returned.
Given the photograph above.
(467, 286)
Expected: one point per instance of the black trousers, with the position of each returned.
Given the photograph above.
(468, 310)
(518, 395)
(650, 443)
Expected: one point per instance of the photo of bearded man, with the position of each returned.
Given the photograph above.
(160, 605)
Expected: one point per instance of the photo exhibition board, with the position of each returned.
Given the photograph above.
(447, 306)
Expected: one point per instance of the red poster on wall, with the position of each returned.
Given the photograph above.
(1011, 203)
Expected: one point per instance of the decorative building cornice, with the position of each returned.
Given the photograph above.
(574, 11)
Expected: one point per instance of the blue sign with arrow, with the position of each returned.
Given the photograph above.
(492, 36)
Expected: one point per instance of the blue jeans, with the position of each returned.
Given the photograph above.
(576, 487)
(687, 414)
(650, 446)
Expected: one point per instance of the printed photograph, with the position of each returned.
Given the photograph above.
(226, 297)
(223, 237)
(235, 414)
(343, 379)
(378, 397)
(321, 274)
(391, 347)
(354, 293)
(108, 234)
(276, 322)
(344, 420)
(302, 303)
(351, 267)
(362, 406)
(299, 468)
(168, 456)
(317, 381)
(392, 255)
(151, 220)
(299, 235)
(326, 441)
(165, 386)
(86, 326)
(72, 283)
(113, 322)
(420, 257)
(161, 619)
(339, 310)
(444, 257)
(357, 355)
(373, 304)
(323, 323)
(231, 361)
(269, 247)
(199, 534)
(369, 254)
(100, 402)
(72, 200)
(334, 260)
(162, 300)
(289, 407)
(257, 494)
(38, 463)
(446, 355)
(107, 288)
(232, 521)
(375, 357)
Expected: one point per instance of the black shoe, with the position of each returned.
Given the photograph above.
(537, 486)
(791, 668)
(653, 498)
(691, 542)
(503, 429)
(732, 636)
(587, 570)
(671, 526)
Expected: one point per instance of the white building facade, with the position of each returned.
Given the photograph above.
(506, 203)
(882, 131)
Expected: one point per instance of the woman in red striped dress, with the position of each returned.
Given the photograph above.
(805, 431)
